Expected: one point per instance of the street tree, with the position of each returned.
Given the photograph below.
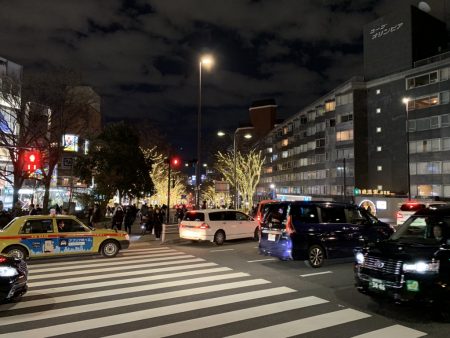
(36, 112)
(117, 164)
(248, 172)
(160, 176)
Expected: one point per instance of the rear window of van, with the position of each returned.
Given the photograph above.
(194, 216)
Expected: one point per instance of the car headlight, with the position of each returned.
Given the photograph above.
(359, 258)
(7, 271)
(127, 237)
(421, 267)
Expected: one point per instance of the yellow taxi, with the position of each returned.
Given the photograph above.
(51, 235)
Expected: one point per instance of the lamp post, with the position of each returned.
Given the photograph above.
(206, 61)
(405, 102)
(247, 136)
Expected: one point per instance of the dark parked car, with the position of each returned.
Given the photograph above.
(13, 277)
(413, 265)
(317, 230)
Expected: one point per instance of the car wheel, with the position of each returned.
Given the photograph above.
(316, 256)
(256, 234)
(16, 251)
(109, 249)
(219, 237)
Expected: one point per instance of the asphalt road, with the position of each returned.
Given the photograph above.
(202, 290)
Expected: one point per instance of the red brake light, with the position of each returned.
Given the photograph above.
(2, 259)
(203, 226)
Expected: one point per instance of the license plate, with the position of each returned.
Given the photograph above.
(377, 284)
(271, 237)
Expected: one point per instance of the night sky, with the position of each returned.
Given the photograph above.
(142, 56)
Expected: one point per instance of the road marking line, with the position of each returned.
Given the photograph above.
(125, 273)
(223, 318)
(156, 277)
(128, 317)
(221, 250)
(113, 292)
(89, 270)
(316, 273)
(394, 331)
(35, 262)
(263, 260)
(97, 264)
(114, 304)
(305, 325)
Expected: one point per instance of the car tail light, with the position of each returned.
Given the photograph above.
(2, 259)
(203, 226)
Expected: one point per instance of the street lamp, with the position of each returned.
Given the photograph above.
(405, 101)
(207, 61)
(246, 136)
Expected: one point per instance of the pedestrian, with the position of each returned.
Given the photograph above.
(128, 219)
(5, 216)
(117, 218)
(150, 222)
(157, 222)
(32, 210)
(38, 210)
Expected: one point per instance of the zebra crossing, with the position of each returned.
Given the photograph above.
(160, 292)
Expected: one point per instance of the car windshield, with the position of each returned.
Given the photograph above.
(424, 229)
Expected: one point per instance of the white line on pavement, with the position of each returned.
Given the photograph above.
(263, 260)
(316, 273)
(128, 317)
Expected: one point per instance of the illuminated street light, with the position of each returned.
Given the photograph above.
(246, 136)
(207, 61)
(405, 101)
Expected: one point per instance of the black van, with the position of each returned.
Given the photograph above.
(413, 265)
(317, 230)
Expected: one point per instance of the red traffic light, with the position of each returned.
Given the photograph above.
(31, 161)
(175, 162)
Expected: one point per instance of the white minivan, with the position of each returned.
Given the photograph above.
(217, 225)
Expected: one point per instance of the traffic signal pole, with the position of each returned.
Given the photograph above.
(168, 193)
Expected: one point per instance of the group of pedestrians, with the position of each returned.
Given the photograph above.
(123, 216)
(152, 217)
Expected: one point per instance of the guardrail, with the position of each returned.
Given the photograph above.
(170, 232)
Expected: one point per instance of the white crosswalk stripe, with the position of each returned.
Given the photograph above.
(117, 297)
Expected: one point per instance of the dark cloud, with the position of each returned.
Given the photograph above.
(142, 55)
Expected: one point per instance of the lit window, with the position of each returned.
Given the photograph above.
(379, 168)
(345, 135)
(269, 150)
(379, 187)
(330, 105)
(378, 91)
(378, 110)
(379, 148)
(378, 129)
(285, 142)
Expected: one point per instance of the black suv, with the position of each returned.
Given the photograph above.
(317, 230)
(413, 265)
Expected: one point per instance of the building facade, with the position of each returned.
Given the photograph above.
(354, 139)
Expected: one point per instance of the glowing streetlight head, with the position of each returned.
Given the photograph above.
(248, 136)
(220, 133)
(207, 61)
(405, 100)
(272, 186)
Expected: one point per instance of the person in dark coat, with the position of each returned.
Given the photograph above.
(117, 218)
(129, 218)
(5, 216)
(157, 222)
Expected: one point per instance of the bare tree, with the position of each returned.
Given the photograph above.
(39, 111)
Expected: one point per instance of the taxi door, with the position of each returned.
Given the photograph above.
(39, 237)
(73, 237)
